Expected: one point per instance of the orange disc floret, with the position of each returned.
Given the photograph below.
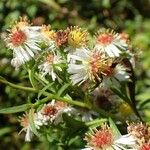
(17, 37)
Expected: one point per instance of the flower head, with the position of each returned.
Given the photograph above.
(61, 37)
(18, 37)
(47, 33)
(51, 63)
(145, 146)
(140, 130)
(77, 37)
(52, 112)
(86, 65)
(21, 24)
(111, 43)
(104, 139)
(25, 123)
(100, 138)
(23, 40)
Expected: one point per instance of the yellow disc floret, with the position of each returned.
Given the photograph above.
(22, 23)
(77, 37)
(125, 109)
(48, 33)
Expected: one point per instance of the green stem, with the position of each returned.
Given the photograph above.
(29, 89)
(49, 96)
(52, 96)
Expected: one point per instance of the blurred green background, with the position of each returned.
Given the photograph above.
(130, 16)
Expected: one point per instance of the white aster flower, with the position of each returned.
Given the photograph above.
(113, 44)
(25, 123)
(50, 64)
(104, 139)
(24, 43)
(52, 112)
(86, 65)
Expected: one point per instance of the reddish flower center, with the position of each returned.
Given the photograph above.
(145, 147)
(108, 71)
(102, 139)
(105, 39)
(94, 63)
(49, 110)
(18, 37)
(50, 58)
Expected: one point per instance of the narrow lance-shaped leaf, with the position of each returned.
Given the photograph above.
(114, 128)
(62, 89)
(15, 109)
(32, 79)
(44, 89)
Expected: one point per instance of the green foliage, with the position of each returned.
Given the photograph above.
(123, 15)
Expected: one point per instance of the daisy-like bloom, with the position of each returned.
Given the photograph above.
(52, 112)
(77, 37)
(50, 64)
(140, 131)
(25, 123)
(104, 139)
(86, 65)
(111, 43)
(22, 23)
(61, 37)
(23, 41)
(48, 36)
(77, 40)
(47, 113)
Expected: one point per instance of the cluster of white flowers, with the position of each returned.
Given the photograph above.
(101, 62)
(50, 113)
(68, 56)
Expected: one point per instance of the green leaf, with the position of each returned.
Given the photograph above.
(5, 130)
(96, 122)
(32, 79)
(114, 128)
(44, 89)
(121, 95)
(71, 122)
(31, 120)
(62, 89)
(15, 109)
